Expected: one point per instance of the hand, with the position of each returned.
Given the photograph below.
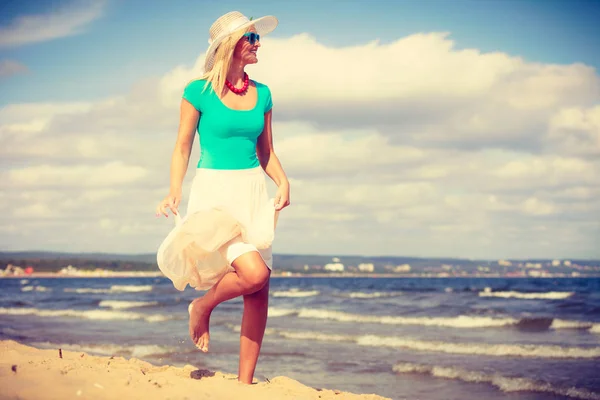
(282, 197)
(171, 201)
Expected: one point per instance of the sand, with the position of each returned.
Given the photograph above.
(30, 373)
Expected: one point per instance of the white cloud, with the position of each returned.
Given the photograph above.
(576, 131)
(80, 175)
(67, 21)
(411, 147)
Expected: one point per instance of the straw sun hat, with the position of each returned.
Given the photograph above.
(227, 24)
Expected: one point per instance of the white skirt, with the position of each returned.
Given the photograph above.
(229, 213)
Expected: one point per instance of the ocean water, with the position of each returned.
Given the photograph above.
(404, 338)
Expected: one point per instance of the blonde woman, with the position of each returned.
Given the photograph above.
(232, 115)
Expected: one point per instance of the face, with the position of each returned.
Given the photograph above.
(246, 52)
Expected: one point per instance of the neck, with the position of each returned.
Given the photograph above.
(236, 72)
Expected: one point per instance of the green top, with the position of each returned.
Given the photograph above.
(227, 137)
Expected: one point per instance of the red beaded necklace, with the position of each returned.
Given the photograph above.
(236, 90)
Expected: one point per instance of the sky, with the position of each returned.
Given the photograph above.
(412, 128)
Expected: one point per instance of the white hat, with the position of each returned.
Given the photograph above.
(227, 24)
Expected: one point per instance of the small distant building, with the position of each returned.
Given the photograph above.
(556, 263)
(366, 267)
(402, 268)
(334, 267)
(505, 263)
(567, 263)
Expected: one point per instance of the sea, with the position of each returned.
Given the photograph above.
(402, 338)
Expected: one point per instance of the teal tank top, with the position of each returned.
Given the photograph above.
(227, 137)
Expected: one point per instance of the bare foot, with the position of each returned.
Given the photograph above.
(199, 320)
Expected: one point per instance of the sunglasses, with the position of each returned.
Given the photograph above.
(252, 37)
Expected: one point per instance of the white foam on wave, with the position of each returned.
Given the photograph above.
(137, 351)
(119, 305)
(86, 314)
(295, 293)
(487, 292)
(371, 295)
(566, 324)
(280, 312)
(504, 383)
(35, 288)
(483, 349)
(112, 289)
(462, 321)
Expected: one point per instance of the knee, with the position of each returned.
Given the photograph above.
(257, 279)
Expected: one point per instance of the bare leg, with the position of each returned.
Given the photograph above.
(254, 322)
(250, 275)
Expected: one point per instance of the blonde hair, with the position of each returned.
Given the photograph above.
(223, 56)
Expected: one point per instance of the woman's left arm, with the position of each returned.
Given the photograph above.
(271, 165)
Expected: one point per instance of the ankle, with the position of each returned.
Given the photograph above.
(245, 381)
(201, 304)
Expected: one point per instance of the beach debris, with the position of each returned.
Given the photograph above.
(14, 369)
(82, 354)
(60, 353)
(99, 386)
(142, 371)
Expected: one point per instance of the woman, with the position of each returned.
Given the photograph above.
(233, 117)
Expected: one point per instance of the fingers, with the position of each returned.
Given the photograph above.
(171, 203)
(281, 203)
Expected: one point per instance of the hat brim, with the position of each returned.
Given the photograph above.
(263, 25)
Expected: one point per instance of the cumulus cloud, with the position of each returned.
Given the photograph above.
(575, 131)
(66, 21)
(411, 147)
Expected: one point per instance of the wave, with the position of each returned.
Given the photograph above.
(86, 314)
(113, 289)
(137, 351)
(295, 293)
(504, 383)
(119, 305)
(461, 321)
(487, 292)
(482, 349)
(35, 288)
(369, 295)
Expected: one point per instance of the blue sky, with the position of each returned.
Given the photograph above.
(417, 128)
(130, 38)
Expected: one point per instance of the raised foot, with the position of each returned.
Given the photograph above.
(199, 321)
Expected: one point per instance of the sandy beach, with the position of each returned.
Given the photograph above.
(30, 373)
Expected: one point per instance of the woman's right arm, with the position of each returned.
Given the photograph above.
(188, 121)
